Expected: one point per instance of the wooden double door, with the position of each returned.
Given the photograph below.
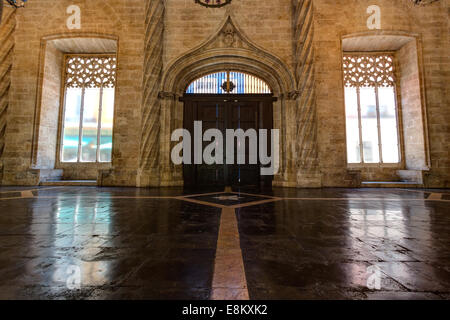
(227, 112)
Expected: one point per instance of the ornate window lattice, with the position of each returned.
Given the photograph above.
(91, 72)
(369, 70)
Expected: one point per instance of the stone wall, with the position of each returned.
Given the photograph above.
(433, 24)
(304, 34)
(335, 19)
(267, 23)
(49, 108)
(42, 18)
(411, 102)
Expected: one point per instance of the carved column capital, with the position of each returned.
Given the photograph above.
(293, 95)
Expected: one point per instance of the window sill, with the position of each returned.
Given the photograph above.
(398, 166)
(103, 165)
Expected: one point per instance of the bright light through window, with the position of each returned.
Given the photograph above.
(89, 109)
(371, 111)
(229, 82)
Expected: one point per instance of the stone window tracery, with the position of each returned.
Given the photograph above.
(369, 70)
(91, 71)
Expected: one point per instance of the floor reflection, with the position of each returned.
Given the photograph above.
(317, 249)
(127, 243)
(120, 248)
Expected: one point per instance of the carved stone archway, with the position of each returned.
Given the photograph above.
(226, 49)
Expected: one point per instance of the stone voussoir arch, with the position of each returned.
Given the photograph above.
(228, 49)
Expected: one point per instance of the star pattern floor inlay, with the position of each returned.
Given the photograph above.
(231, 199)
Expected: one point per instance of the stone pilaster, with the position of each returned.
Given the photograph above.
(7, 28)
(306, 153)
(151, 104)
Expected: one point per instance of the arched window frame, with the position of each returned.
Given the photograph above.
(83, 72)
(366, 71)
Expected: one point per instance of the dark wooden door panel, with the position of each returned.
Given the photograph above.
(211, 114)
(245, 116)
(215, 113)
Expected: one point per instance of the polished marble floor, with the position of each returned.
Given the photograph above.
(126, 243)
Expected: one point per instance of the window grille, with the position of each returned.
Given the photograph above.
(88, 109)
(228, 82)
(371, 109)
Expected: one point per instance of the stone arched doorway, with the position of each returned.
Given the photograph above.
(227, 49)
(220, 102)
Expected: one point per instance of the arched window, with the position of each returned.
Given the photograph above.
(229, 82)
(89, 108)
(371, 109)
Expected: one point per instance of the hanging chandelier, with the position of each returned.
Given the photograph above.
(423, 2)
(213, 3)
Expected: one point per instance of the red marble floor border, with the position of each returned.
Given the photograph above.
(203, 194)
(255, 203)
(229, 280)
(30, 190)
(255, 195)
(205, 203)
(435, 196)
(363, 199)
